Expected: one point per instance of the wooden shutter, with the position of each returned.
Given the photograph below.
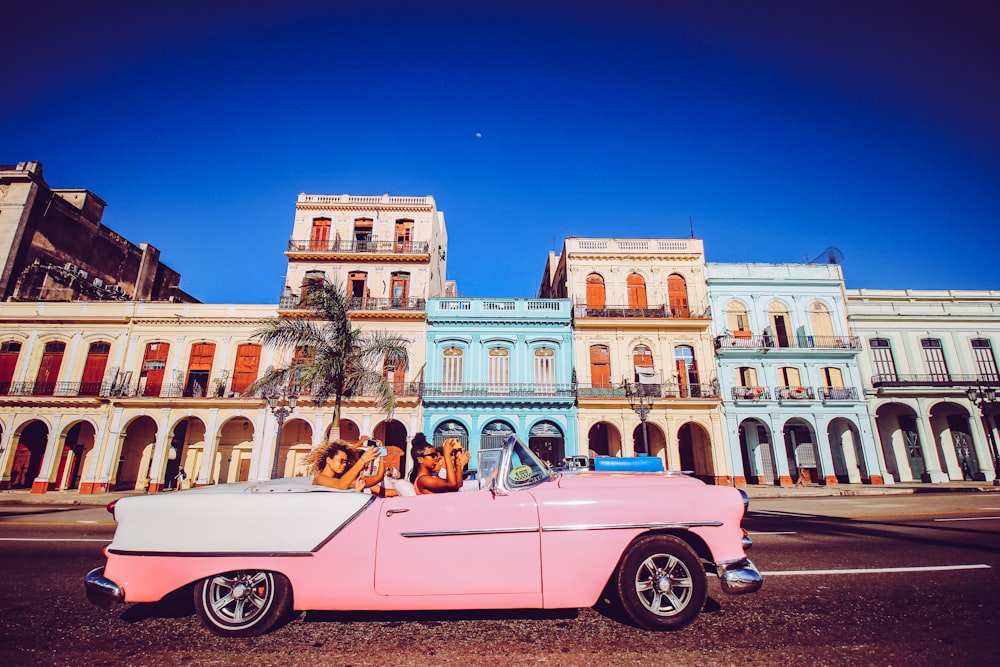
(247, 365)
(600, 366)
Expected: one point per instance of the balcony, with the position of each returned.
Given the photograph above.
(669, 390)
(947, 381)
(650, 312)
(751, 394)
(360, 304)
(794, 393)
(489, 390)
(744, 340)
(351, 246)
(838, 393)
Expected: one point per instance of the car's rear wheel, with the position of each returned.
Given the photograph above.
(660, 583)
(243, 603)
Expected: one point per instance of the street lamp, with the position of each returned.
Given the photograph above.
(641, 401)
(281, 405)
(983, 396)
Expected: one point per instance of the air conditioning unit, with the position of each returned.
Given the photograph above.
(98, 282)
(83, 274)
(71, 267)
(118, 289)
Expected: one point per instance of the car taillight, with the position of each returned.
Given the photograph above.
(111, 507)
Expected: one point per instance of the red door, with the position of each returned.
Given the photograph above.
(153, 364)
(247, 364)
(600, 366)
(636, 292)
(9, 353)
(199, 369)
(319, 237)
(93, 369)
(48, 369)
(677, 296)
(595, 292)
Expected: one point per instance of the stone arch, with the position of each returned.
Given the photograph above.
(30, 439)
(234, 451)
(896, 424)
(604, 439)
(79, 438)
(694, 445)
(294, 443)
(801, 448)
(952, 431)
(547, 440)
(757, 452)
(135, 454)
(845, 448)
(392, 433)
(657, 445)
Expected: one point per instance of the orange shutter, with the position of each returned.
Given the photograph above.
(48, 369)
(677, 296)
(600, 366)
(595, 292)
(319, 237)
(636, 291)
(247, 364)
(93, 369)
(153, 365)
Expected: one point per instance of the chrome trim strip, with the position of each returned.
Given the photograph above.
(631, 526)
(482, 531)
(209, 554)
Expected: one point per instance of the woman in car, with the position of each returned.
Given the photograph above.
(427, 460)
(330, 463)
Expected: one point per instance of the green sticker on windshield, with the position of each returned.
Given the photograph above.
(520, 474)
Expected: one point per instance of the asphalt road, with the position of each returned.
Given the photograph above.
(886, 580)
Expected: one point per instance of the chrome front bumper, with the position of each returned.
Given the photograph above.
(738, 577)
(102, 591)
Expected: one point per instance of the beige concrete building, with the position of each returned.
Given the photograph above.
(643, 327)
(924, 350)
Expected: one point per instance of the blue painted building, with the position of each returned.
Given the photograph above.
(793, 399)
(497, 367)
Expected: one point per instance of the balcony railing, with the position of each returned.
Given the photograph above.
(838, 393)
(745, 340)
(649, 312)
(794, 393)
(665, 390)
(359, 246)
(360, 304)
(751, 394)
(935, 380)
(492, 390)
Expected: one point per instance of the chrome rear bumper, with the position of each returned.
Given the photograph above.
(102, 591)
(739, 577)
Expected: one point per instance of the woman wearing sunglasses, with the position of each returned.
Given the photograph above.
(427, 461)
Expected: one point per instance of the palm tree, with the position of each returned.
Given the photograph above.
(331, 358)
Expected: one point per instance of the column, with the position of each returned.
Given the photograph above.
(826, 469)
(203, 477)
(158, 465)
(778, 453)
(928, 446)
(53, 452)
(89, 477)
(982, 445)
(7, 450)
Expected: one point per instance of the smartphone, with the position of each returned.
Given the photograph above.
(382, 451)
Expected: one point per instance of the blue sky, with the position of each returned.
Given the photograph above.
(778, 128)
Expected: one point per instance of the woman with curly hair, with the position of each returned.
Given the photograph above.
(331, 466)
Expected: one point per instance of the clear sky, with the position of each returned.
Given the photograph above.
(778, 128)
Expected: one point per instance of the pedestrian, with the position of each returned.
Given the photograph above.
(179, 479)
(145, 485)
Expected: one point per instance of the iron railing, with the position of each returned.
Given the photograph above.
(360, 246)
(934, 380)
(649, 312)
(665, 390)
(838, 393)
(486, 389)
(751, 394)
(794, 393)
(745, 340)
(359, 304)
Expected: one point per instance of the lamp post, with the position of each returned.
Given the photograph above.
(641, 402)
(281, 405)
(983, 396)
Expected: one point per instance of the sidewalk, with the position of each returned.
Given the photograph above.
(753, 490)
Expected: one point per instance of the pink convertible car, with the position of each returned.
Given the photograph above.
(529, 537)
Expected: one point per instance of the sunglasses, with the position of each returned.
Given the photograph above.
(433, 454)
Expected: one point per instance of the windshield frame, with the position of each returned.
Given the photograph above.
(502, 480)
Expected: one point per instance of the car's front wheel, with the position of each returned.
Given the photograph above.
(660, 583)
(243, 603)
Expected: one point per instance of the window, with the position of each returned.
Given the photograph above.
(746, 376)
(595, 292)
(395, 372)
(498, 371)
(736, 319)
(93, 369)
(362, 233)
(600, 366)
(822, 324)
(404, 236)
(677, 296)
(986, 364)
(545, 370)
(199, 369)
(357, 290)
(687, 372)
(319, 235)
(247, 364)
(833, 377)
(313, 280)
(780, 323)
(400, 288)
(48, 369)
(934, 358)
(154, 361)
(885, 367)
(636, 291)
(451, 370)
(9, 353)
(790, 377)
(645, 375)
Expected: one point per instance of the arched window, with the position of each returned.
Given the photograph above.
(400, 289)
(450, 429)
(790, 377)
(199, 369)
(93, 369)
(154, 362)
(780, 325)
(404, 235)
(746, 376)
(595, 292)
(882, 361)
(986, 363)
(495, 434)
(736, 319)
(636, 291)
(48, 369)
(677, 296)
(934, 358)
(600, 366)
(688, 383)
(498, 371)
(545, 370)
(362, 233)
(313, 280)
(9, 352)
(357, 289)
(822, 324)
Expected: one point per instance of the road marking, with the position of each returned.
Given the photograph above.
(54, 539)
(971, 518)
(879, 570)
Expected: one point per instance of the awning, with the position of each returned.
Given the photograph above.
(647, 375)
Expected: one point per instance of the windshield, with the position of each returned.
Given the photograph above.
(525, 469)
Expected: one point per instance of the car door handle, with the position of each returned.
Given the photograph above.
(391, 512)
